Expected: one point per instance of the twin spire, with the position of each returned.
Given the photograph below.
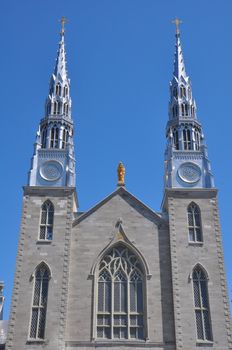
(53, 162)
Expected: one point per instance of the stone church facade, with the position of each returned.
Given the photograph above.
(120, 275)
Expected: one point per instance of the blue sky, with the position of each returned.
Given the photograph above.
(120, 60)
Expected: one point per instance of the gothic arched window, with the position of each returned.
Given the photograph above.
(58, 89)
(44, 138)
(66, 108)
(55, 107)
(197, 140)
(65, 93)
(46, 221)
(120, 302)
(54, 141)
(39, 302)
(194, 223)
(64, 138)
(187, 139)
(176, 139)
(193, 111)
(182, 91)
(201, 304)
(175, 92)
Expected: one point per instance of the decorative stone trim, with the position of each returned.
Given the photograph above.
(175, 282)
(64, 286)
(14, 304)
(222, 270)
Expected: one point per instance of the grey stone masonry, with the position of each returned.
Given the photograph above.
(185, 255)
(80, 240)
(31, 252)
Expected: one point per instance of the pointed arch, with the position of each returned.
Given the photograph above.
(41, 276)
(46, 221)
(54, 138)
(65, 91)
(201, 303)
(44, 137)
(120, 285)
(128, 245)
(194, 223)
(58, 89)
(182, 91)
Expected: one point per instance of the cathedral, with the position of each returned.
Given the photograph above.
(120, 275)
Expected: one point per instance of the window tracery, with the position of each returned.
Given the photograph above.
(120, 309)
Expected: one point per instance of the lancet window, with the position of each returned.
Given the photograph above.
(66, 108)
(58, 89)
(175, 111)
(184, 109)
(64, 138)
(120, 302)
(197, 140)
(201, 304)
(39, 302)
(176, 139)
(44, 138)
(194, 223)
(182, 91)
(175, 94)
(46, 221)
(193, 111)
(54, 140)
(65, 92)
(55, 107)
(187, 139)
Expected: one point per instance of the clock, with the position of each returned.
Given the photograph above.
(189, 172)
(51, 170)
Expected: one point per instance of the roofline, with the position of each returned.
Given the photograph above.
(120, 190)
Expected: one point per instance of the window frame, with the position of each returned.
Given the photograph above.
(46, 224)
(129, 313)
(195, 227)
(201, 308)
(39, 307)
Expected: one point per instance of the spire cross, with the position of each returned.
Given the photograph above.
(177, 22)
(63, 21)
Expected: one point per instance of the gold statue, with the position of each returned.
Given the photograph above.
(121, 174)
(177, 22)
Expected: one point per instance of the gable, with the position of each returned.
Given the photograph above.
(131, 201)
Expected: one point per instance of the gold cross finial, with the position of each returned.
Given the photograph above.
(177, 22)
(63, 21)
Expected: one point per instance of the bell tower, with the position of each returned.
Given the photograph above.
(200, 299)
(53, 161)
(186, 159)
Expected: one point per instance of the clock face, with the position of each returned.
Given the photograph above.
(51, 170)
(189, 172)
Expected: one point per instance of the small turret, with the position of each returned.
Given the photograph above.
(53, 162)
(186, 160)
